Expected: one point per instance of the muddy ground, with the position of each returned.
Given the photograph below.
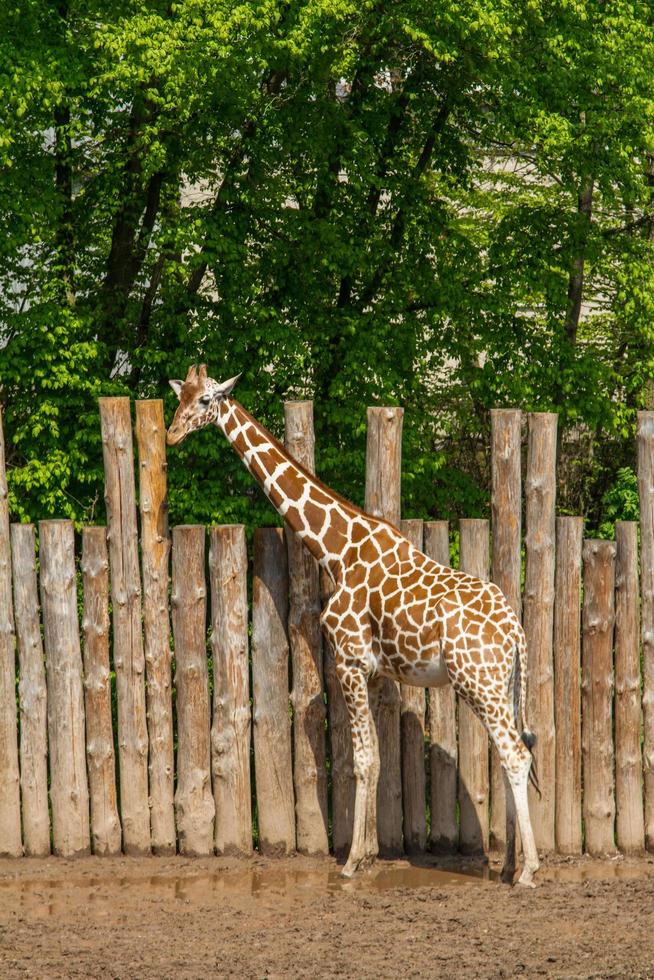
(179, 918)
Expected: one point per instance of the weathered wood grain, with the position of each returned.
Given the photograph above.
(32, 694)
(231, 725)
(383, 495)
(155, 552)
(309, 773)
(100, 757)
(194, 804)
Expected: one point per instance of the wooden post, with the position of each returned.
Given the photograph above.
(155, 548)
(194, 806)
(473, 738)
(412, 731)
(69, 791)
(340, 745)
(597, 690)
(630, 828)
(10, 833)
(230, 730)
(32, 695)
(383, 494)
(444, 830)
(538, 616)
(567, 661)
(646, 495)
(129, 661)
(272, 723)
(101, 763)
(506, 503)
(309, 771)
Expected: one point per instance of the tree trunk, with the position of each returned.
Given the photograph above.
(230, 730)
(10, 833)
(309, 772)
(383, 489)
(597, 696)
(155, 548)
(630, 827)
(538, 614)
(444, 830)
(194, 805)
(567, 661)
(129, 661)
(506, 570)
(473, 737)
(273, 764)
(101, 763)
(32, 695)
(576, 279)
(69, 791)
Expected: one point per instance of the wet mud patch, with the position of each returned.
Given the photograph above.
(165, 918)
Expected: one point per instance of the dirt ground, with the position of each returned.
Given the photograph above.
(180, 918)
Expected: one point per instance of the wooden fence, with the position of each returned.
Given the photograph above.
(171, 768)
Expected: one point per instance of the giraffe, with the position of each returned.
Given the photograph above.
(394, 613)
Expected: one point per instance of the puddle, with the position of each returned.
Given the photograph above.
(100, 895)
(103, 893)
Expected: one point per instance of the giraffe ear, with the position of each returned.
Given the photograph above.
(177, 387)
(227, 387)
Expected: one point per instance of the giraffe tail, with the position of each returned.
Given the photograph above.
(520, 700)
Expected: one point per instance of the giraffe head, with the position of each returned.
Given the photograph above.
(199, 402)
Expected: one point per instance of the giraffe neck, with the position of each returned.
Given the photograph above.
(321, 518)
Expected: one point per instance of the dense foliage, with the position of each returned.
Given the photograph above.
(447, 206)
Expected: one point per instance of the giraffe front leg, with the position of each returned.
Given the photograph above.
(366, 767)
(372, 845)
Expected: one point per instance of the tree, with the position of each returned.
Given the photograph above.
(447, 207)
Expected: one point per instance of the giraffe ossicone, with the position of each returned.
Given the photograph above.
(394, 613)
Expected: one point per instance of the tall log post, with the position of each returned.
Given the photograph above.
(444, 830)
(597, 691)
(383, 495)
(309, 771)
(194, 805)
(273, 765)
(101, 763)
(343, 784)
(473, 738)
(538, 616)
(646, 495)
(230, 730)
(10, 833)
(32, 695)
(129, 660)
(630, 827)
(155, 549)
(69, 791)
(567, 700)
(506, 504)
(412, 731)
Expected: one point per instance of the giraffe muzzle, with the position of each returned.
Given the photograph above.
(174, 436)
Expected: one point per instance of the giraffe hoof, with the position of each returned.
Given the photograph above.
(526, 882)
(361, 864)
(506, 876)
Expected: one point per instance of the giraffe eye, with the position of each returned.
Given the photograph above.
(205, 400)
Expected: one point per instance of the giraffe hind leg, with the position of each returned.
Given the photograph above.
(516, 762)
